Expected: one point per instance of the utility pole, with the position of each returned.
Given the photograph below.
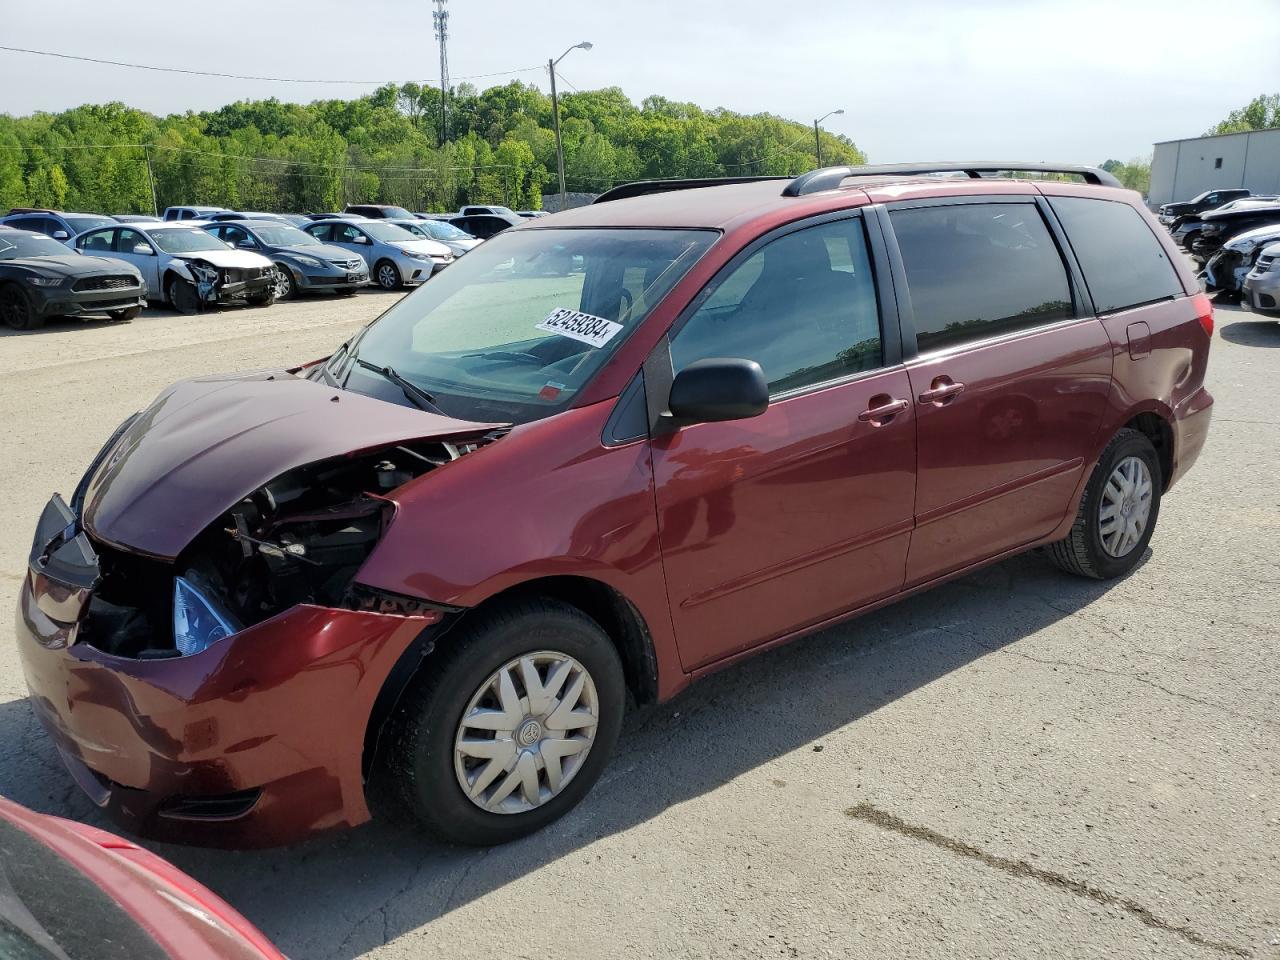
(440, 18)
(817, 136)
(555, 114)
(155, 205)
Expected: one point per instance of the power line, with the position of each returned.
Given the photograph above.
(239, 76)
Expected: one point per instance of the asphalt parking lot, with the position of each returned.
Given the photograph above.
(1017, 764)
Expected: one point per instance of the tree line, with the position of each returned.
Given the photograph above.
(385, 147)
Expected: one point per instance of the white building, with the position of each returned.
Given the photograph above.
(1180, 169)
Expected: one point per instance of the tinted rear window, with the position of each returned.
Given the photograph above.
(1124, 264)
(980, 270)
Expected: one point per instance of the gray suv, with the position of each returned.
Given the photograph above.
(63, 227)
(395, 256)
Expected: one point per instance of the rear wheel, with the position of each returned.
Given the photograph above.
(129, 313)
(286, 289)
(1117, 513)
(16, 309)
(510, 724)
(387, 275)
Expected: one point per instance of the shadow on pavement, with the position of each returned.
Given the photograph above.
(1251, 333)
(340, 897)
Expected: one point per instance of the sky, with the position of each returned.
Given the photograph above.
(1079, 81)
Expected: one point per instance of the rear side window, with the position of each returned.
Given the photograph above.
(980, 270)
(1124, 264)
(803, 307)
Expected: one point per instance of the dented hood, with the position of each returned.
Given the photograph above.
(205, 444)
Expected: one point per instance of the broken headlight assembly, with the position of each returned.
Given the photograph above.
(198, 621)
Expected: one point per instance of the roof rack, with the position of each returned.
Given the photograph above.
(828, 178)
(642, 188)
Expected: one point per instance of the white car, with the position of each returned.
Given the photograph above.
(183, 265)
(441, 231)
(396, 257)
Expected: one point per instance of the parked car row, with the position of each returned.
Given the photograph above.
(1235, 238)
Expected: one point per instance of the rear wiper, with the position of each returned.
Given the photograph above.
(420, 397)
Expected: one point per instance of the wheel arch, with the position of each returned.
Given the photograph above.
(1157, 428)
(615, 614)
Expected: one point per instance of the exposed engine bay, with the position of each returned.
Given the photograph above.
(298, 539)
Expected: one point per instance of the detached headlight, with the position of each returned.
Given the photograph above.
(197, 620)
(46, 281)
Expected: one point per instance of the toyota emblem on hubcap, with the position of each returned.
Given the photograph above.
(530, 733)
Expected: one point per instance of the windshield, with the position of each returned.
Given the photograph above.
(185, 240)
(81, 224)
(415, 229)
(283, 236)
(14, 247)
(444, 231)
(387, 231)
(513, 330)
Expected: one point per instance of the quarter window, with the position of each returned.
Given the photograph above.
(980, 270)
(803, 307)
(1124, 264)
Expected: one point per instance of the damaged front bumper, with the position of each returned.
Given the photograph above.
(258, 740)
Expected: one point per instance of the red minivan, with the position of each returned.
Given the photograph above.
(602, 455)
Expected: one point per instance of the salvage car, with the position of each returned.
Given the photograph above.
(1261, 288)
(184, 266)
(449, 553)
(1219, 226)
(1225, 270)
(396, 257)
(69, 891)
(1208, 200)
(40, 279)
(302, 263)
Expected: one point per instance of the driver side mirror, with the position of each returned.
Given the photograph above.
(61, 235)
(717, 389)
(246, 244)
(363, 239)
(143, 249)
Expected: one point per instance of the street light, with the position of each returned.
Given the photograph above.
(817, 138)
(555, 112)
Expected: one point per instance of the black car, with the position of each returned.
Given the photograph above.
(378, 211)
(40, 278)
(486, 225)
(1221, 225)
(302, 262)
(1209, 200)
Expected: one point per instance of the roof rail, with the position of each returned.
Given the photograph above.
(642, 188)
(828, 178)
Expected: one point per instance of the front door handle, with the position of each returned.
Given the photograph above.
(942, 390)
(883, 411)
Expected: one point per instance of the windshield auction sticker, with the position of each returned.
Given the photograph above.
(596, 331)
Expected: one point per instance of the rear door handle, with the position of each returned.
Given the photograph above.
(941, 391)
(883, 411)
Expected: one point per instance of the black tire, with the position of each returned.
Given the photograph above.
(420, 758)
(286, 287)
(182, 296)
(348, 291)
(262, 299)
(387, 275)
(1081, 552)
(124, 316)
(16, 310)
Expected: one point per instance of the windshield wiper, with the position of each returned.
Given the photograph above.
(420, 397)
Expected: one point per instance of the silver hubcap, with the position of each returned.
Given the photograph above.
(526, 732)
(1126, 506)
(284, 283)
(387, 276)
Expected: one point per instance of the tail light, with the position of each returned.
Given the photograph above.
(1204, 312)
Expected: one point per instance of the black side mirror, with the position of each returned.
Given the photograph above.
(719, 388)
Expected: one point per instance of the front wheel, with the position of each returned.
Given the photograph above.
(182, 296)
(16, 310)
(1117, 513)
(286, 289)
(387, 275)
(508, 727)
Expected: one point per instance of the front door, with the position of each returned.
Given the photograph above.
(778, 522)
(133, 247)
(1010, 382)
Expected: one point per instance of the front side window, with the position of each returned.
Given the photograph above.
(131, 241)
(803, 307)
(1124, 264)
(323, 233)
(98, 240)
(515, 329)
(980, 270)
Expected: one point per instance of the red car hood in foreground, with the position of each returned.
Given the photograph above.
(153, 909)
(206, 443)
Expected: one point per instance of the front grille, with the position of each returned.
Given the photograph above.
(113, 282)
(347, 264)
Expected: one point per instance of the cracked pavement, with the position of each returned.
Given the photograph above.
(1018, 763)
